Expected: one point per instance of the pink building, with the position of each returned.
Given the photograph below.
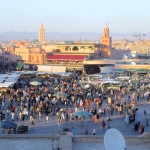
(7, 57)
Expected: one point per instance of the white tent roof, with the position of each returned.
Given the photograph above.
(11, 79)
(111, 82)
(6, 84)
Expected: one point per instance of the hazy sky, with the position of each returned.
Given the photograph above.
(122, 16)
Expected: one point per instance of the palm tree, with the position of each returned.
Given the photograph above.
(133, 36)
(143, 35)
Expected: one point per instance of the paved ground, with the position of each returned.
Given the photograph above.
(118, 122)
(27, 144)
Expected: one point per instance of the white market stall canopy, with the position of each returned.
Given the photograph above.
(11, 79)
(66, 74)
(106, 69)
(58, 69)
(110, 82)
(44, 68)
(51, 69)
(6, 84)
(2, 79)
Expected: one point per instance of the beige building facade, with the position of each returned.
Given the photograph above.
(102, 49)
(23, 52)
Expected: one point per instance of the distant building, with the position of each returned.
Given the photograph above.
(106, 44)
(31, 55)
(10, 49)
(37, 55)
(23, 52)
(103, 49)
(42, 34)
(7, 56)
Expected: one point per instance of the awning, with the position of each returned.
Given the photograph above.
(141, 71)
(57, 69)
(55, 57)
(66, 57)
(118, 70)
(131, 70)
(78, 58)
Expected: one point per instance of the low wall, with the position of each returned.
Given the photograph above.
(66, 141)
(75, 138)
(100, 139)
(31, 136)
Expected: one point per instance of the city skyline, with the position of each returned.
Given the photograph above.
(77, 16)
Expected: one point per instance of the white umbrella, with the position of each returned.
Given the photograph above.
(35, 83)
(147, 93)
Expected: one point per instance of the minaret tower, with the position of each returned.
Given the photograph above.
(41, 34)
(106, 42)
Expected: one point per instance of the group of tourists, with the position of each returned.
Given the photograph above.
(25, 101)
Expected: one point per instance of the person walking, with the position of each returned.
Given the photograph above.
(94, 132)
(47, 118)
(144, 114)
(103, 124)
(59, 125)
(147, 121)
(108, 126)
(127, 119)
(73, 131)
(120, 110)
(95, 118)
(67, 116)
(12, 116)
(39, 115)
(23, 117)
(142, 129)
(14, 130)
(111, 110)
(32, 120)
(139, 122)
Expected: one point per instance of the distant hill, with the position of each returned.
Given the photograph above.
(58, 36)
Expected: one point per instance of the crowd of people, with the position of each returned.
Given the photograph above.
(25, 101)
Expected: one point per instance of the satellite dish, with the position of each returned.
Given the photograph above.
(133, 63)
(133, 55)
(114, 140)
(125, 56)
